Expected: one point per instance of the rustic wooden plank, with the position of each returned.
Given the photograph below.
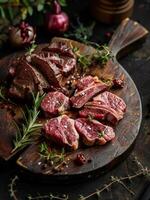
(103, 157)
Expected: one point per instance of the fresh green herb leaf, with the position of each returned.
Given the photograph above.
(30, 128)
(84, 61)
(50, 155)
(102, 55)
(31, 49)
(101, 134)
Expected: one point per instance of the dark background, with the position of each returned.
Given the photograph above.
(138, 66)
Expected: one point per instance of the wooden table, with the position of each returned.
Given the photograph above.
(138, 66)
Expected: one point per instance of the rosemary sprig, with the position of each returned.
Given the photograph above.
(50, 155)
(30, 127)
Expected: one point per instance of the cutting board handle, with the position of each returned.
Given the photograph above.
(126, 36)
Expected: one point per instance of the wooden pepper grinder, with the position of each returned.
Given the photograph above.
(111, 11)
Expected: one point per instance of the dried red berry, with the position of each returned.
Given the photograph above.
(118, 83)
(80, 159)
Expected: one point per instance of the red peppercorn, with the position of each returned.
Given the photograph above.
(118, 83)
(80, 159)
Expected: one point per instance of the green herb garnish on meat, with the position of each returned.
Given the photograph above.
(101, 134)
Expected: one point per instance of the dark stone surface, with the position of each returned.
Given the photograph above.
(138, 66)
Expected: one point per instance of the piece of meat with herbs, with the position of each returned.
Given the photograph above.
(26, 81)
(55, 103)
(93, 132)
(87, 88)
(105, 106)
(61, 130)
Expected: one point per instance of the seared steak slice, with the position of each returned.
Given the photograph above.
(86, 90)
(49, 70)
(26, 81)
(62, 131)
(106, 106)
(60, 48)
(93, 132)
(55, 103)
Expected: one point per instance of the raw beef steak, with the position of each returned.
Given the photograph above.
(111, 100)
(62, 131)
(55, 103)
(87, 87)
(93, 132)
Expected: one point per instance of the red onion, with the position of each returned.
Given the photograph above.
(57, 21)
(21, 35)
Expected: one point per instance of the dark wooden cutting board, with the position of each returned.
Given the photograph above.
(102, 158)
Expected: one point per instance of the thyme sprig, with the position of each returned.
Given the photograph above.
(80, 32)
(49, 196)
(30, 128)
(143, 171)
(101, 56)
(50, 155)
(11, 186)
